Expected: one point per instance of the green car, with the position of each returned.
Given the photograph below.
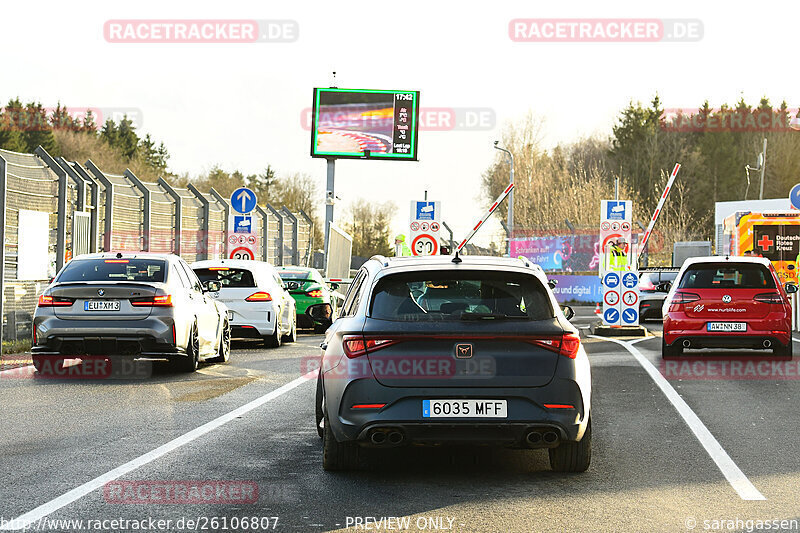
(307, 287)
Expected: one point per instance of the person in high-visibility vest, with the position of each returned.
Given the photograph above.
(400, 246)
(617, 256)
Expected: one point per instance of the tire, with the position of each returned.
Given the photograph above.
(338, 456)
(192, 360)
(292, 335)
(670, 351)
(573, 456)
(319, 415)
(783, 351)
(274, 340)
(45, 364)
(224, 350)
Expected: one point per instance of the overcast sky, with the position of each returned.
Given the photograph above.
(241, 105)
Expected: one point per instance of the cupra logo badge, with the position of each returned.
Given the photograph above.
(463, 351)
(726, 299)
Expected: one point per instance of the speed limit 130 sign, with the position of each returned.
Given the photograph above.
(424, 244)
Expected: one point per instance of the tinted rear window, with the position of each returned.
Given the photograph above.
(295, 274)
(144, 270)
(727, 276)
(447, 295)
(228, 277)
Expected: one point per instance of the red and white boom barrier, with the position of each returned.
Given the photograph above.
(657, 211)
(487, 215)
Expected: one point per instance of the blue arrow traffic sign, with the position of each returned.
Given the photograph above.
(794, 196)
(611, 316)
(630, 280)
(243, 200)
(629, 316)
(611, 280)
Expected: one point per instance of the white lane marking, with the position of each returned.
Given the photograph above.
(15, 371)
(736, 478)
(640, 340)
(98, 482)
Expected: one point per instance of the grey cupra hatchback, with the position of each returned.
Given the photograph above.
(143, 306)
(442, 350)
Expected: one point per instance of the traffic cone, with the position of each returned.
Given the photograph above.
(597, 309)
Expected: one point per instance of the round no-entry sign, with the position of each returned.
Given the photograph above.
(242, 252)
(424, 244)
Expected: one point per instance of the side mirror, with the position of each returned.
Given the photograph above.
(321, 313)
(664, 286)
(791, 288)
(552, 283)
(212, 286)
(569, 312)
(333, 286)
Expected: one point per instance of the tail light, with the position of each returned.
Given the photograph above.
(356, 345)
(316, 293)
(260, 296)
(768, 298)
(567, 345)
(684, 298)
(54, 301)
(164, 300)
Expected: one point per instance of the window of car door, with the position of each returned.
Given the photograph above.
(351, 300)
(194, 281)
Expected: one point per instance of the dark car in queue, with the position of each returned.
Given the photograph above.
(135, 305)
(487, 358)
(654, 284)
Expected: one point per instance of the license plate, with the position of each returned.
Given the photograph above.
(101, 305)
(726, 326)
(464, 409)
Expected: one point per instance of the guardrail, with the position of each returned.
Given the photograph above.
(91, 210)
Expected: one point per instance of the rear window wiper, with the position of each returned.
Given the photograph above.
(492, 316)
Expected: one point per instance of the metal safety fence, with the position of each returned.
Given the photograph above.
(54, 209)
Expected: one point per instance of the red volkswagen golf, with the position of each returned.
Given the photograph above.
(721, 302)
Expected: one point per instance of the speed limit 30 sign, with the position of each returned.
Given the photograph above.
(243, 252)
(424, 244)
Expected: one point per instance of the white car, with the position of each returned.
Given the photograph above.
(259, 306)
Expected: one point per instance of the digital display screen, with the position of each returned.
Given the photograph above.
(363, 123)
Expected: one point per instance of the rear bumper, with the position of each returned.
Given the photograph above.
(774, 329)
(251, 323)
(403, 412)
(152, 336)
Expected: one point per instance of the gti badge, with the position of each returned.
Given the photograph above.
(463, 351)
(698, 308)
(726, 299)
(100, 292)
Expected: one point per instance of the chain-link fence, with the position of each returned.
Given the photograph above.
(79, 208)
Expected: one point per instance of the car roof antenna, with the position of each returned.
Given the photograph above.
(456, 259)
(119, 255)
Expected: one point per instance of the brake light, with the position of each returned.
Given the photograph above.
(54, 301)
(116, 261)
(768, 298)
(567, 345)
(356, 345)
(684, 298)
(259, 297)
(368, 406)
(164, 300)
(559, 406)
(316, 293)
(218, 268)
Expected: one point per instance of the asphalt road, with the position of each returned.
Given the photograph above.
(63, 440)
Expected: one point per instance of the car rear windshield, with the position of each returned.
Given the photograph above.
(727, 276)
(139, 269)
(432, 295)
(297, 275)
(227, 277)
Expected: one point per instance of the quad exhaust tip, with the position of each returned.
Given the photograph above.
(381, 437)
(550, 437)
(377, 437)
(533, 437)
